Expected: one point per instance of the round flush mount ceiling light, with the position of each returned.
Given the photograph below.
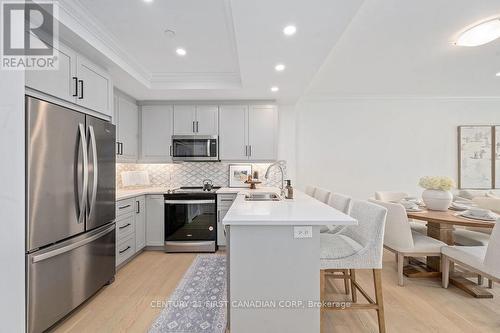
(480, 34)
(180, 52)
(290, 30)
(274, 89)
(279, 67)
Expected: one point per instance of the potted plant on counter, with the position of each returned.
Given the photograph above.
(437, 194)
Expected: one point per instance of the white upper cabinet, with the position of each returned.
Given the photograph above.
(77, 80)
(157, 133)
(184, 119)
(60, 83)
(196, 120)
(127, 118)
(248, 132)
(262, 132)
(233, 132)
(94, 87)
(207, 120)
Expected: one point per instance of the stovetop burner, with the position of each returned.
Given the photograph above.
(195, 189)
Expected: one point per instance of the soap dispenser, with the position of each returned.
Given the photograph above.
(289, 189)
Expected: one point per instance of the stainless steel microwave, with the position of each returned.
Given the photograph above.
(195, 148)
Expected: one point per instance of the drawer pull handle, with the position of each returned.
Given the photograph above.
(229, 200)
(126, 249)
(123, 207)
(125, 226)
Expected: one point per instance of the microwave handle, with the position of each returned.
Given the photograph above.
(208, 148)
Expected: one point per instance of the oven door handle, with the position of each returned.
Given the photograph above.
(189, 202)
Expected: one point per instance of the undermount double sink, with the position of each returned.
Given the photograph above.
(262, 196)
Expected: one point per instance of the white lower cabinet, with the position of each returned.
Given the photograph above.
(130, 227)
(155, 217)
(224, 202)
(125, 249)
(140, 223)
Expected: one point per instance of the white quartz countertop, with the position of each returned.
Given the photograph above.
(302, 210)
(123, 194)
(130, 193)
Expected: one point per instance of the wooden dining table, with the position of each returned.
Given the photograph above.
(440, 225)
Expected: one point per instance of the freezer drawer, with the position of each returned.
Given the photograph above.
(63, 276)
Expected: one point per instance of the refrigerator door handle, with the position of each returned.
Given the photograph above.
(83, 196)
(70, 247)
(95, 171)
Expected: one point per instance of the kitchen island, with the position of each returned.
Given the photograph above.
(273, 257)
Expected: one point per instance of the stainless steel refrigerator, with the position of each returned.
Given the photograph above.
(70, 195)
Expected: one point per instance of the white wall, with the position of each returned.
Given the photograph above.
(286, 138)
(12, 221)
(358, 146)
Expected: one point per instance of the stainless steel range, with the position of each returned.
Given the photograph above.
(191, 219)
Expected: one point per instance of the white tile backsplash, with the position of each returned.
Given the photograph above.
(193, 174)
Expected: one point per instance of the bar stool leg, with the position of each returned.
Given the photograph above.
(322, 292)
(353, 286)
(377, 279)
(346, 280)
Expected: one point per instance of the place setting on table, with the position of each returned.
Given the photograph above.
(442, 213)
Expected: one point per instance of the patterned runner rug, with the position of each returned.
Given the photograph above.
(198, 304)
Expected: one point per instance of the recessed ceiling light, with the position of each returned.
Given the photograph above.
(279, 67)
(497, 74)
(274, 89)
(180, 51)
(148, 1)
(289, 30)
(480, 34)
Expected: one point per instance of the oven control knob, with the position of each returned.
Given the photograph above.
(211, 228)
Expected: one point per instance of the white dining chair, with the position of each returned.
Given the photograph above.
(356, 247)
(310, 190)
(401, 240)
(321, 194)
(483, 260)
(467, 237)
(391, 196)
(474, 236)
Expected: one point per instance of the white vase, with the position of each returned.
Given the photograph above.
(437, 199)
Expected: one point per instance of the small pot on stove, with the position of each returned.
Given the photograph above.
(208, 185)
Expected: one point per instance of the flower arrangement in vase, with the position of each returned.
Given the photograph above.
(437, 194)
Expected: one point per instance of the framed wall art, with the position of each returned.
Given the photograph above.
(238, 174)
(475, 157)
(496, 158)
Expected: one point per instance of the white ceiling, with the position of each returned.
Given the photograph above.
(232, 45)
(346, 48)
(404, 48)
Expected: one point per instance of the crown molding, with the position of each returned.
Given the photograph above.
(77, 18)
(323, 97)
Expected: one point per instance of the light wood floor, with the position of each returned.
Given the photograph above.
(421, 306)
